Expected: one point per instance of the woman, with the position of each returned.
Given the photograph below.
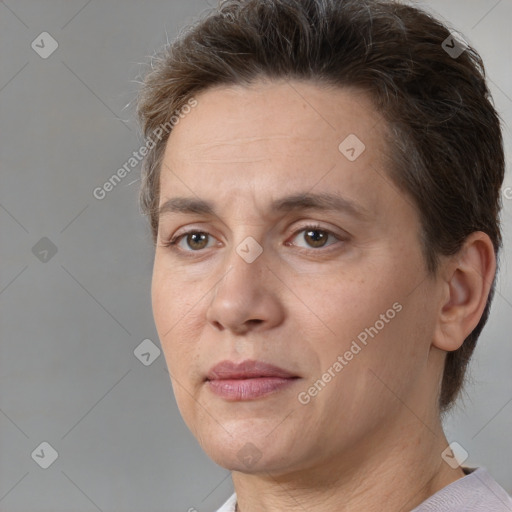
(326, 233)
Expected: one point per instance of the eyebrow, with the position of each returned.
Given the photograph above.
(291, 203)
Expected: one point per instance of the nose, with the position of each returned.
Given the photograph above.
(246, 298)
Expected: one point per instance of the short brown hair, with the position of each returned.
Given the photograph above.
(445, 135)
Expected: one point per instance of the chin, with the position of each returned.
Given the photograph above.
(250, 460)
(245, 449)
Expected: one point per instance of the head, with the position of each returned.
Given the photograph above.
(274, 102)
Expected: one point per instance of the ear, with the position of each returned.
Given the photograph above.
(466, 279)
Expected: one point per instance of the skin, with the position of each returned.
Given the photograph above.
(371, 439)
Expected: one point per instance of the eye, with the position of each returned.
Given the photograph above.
(194, 240)
(316, 236)
(191, 241)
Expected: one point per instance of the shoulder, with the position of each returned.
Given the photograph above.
(476, 492)
(229, 505)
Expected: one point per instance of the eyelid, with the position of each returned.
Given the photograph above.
(176, 239)
(312, 226)
(180, 232)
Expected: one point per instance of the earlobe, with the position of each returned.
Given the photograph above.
(468, 278)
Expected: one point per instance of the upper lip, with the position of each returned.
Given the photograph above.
(248, 369)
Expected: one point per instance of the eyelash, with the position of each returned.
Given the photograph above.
(312, 227)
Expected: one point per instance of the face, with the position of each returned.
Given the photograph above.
(289, 288)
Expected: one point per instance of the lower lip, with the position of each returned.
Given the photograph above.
(248, 389)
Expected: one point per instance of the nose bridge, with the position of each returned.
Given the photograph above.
(244, 267)
(243, 297)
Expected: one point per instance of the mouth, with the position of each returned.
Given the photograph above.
(248, 380)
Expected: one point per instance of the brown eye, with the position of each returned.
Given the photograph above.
(315, 237)
(197, 240)
(191, 241)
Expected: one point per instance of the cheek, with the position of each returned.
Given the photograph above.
(173, 312)
(176, 306)
(371, 317)
(173, 296)
(384, 356)
(346, 304)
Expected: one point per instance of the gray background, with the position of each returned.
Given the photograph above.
(70, 324)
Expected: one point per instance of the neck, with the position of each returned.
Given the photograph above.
(395, 469)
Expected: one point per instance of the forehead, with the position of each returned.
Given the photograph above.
(277, 136)
(287, 110)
